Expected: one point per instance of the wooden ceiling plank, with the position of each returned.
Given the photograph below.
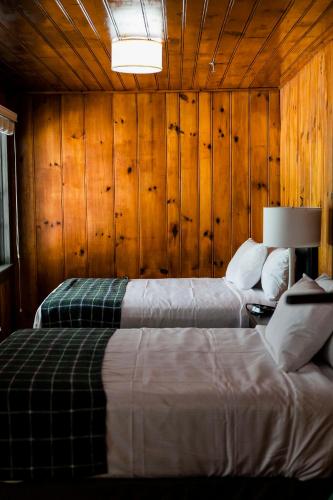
(102, 34)
(199, 41)
(292, 15)
(305, 51)
(245, 50)
(306, 56)
(152, 11)
(59, 30)
(256, 34)
(18, 71)
(153, 15)
(78, 17)
(216, 18)
(22, 56)
(174, 15)
(240, 14)
(164, 76)
(195, 11)
(116, 78)
(51, 53)
(35, 43)
(321, 26)
(271, 71)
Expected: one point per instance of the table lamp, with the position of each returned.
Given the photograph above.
(288, 227)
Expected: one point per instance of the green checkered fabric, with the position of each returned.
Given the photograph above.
(85, 302)
(52, 403)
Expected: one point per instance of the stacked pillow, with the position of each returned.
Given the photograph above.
(250, 264)
(244, 269)
(275, 274)
(296, 333)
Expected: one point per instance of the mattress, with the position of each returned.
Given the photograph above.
(212, 402)
(184, 302)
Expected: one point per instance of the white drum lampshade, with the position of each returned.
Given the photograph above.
(136, 55)
(292, 228)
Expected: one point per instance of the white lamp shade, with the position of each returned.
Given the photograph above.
(292, 227)
(136, 55)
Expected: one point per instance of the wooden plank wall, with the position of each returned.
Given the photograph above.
(143, 185)
(307, 144)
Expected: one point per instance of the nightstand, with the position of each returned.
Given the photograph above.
(257, 320)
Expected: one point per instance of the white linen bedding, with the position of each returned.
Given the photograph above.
(182, 302)
(184, 402)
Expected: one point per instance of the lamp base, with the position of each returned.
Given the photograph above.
(292, 260)
(306, 262)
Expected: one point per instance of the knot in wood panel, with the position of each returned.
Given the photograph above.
(176, 128)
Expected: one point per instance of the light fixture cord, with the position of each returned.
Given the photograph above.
(17, 230)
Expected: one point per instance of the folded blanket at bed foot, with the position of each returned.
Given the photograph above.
(85, 302)
(52, 404)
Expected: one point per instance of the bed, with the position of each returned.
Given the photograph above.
(172, 302)
(183, 402)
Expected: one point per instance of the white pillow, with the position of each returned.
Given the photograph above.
(245, 267)
(274, 276)
(325, 282)
(295, 333)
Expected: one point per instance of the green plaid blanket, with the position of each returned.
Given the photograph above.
(85, 302)
(52, 403)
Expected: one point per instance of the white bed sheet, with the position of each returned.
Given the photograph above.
(182, 302)
(184, 402)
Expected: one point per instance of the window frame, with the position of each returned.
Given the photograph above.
(5, 256)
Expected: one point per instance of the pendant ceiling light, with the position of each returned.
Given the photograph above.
(136, 55)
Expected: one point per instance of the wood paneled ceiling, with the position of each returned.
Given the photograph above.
(65, 45)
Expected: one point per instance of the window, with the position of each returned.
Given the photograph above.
(4, 203)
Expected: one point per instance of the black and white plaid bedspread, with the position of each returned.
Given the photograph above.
(52, 403)
(85, 302)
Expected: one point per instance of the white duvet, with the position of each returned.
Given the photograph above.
(184, 402)
(182, 302)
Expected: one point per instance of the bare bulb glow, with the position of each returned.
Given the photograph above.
(136, 55)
